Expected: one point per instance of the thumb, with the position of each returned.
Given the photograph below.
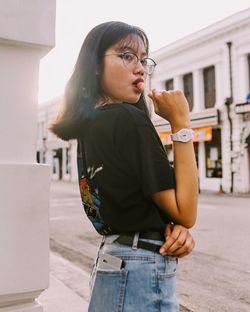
(150, 95)
(153, 94)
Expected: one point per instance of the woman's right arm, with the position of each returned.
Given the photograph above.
(179, 203)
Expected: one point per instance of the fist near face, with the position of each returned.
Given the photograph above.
(171, 105)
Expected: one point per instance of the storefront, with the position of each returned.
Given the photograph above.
(243, 110)
(207, 146)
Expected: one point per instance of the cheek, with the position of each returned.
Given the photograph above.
(114, 76)
(118, 71)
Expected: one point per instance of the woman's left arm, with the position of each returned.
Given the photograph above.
(179, 241)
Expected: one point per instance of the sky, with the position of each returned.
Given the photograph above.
(164, 22)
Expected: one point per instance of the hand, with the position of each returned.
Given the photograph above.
(179, 241)
(172, 106)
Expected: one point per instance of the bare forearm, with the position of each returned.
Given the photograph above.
(186, 180)
(181, 203)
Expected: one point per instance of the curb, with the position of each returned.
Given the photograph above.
(223, 194)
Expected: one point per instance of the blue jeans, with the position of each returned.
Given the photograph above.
(146, 282)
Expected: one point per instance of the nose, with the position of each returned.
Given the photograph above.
(139, 69)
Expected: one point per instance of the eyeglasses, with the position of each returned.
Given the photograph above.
(130, 60)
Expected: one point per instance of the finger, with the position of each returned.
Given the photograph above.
(155, 105)
(185, 250)
(165, 246)
(156, 94)
(180, 241)
(185, 246)
(170, 241)
(177, 239)
(150, 94)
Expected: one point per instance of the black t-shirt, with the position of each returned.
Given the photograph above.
(126, 163)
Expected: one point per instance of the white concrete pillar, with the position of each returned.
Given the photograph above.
(178, 83)
(242, 82)
(197, 89)
(73, 153)
(219, 85)
(49, 159)
(27, 33)
(226, 154)
(202, 164)
(64, 175)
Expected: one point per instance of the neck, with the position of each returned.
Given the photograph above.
(106, 100)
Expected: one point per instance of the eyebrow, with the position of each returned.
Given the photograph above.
(125, 48)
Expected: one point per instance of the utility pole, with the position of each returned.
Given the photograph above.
(228, 103)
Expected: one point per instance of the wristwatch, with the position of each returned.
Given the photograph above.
(183, 135)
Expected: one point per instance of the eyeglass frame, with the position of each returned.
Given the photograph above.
(121, 54)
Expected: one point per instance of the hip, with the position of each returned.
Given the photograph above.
(145, 281)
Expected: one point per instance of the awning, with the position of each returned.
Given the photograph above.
(206, 118)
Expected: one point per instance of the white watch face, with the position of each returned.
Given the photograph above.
(184, 135)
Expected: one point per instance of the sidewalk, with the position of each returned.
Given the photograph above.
(206, 193)
(68, 287)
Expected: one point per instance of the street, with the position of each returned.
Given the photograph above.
(215, 277)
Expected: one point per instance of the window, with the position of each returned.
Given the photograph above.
(54, 165)
(188, 89)
(169, 84)
(42, 129)
(209, 86)
(67, 161)
(44, 157)
(213, 155)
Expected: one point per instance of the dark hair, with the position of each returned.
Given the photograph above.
(84, 85)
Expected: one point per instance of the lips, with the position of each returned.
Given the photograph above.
(139, 84)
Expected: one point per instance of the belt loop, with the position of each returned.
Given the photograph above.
(135, 241)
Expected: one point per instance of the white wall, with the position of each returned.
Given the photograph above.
(27, 32)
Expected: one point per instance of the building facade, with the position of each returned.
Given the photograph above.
(60, 154)
(212, 67)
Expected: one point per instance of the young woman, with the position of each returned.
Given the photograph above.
(131, 194)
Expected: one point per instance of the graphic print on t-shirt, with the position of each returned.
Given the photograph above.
(90, 197)
(92, 171)
(91, 203)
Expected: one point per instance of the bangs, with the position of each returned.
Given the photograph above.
(121, 36)
(132, 42)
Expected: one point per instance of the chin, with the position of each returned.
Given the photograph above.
(133, 100)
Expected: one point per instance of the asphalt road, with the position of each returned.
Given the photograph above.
(215, 277)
